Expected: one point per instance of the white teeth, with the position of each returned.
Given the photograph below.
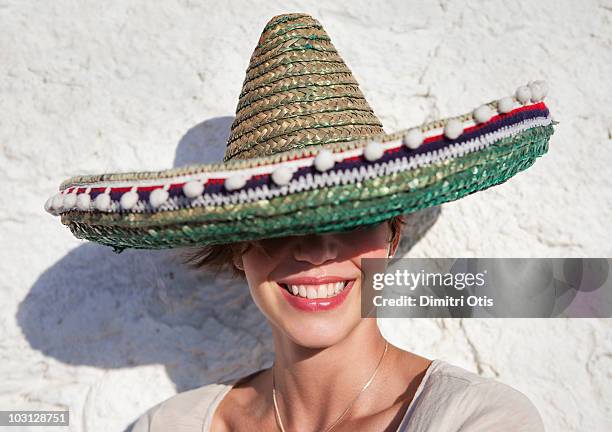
(317, 291)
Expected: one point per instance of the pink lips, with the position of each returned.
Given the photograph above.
(312, 280)
(316, 304)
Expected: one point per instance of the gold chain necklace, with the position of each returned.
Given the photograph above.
(335, 423)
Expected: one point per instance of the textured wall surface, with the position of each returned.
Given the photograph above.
(89, 87)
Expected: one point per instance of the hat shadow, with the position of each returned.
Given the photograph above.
(204, 143)
(97, 308)
(141, 307)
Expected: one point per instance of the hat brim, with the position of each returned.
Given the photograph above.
(356, 190)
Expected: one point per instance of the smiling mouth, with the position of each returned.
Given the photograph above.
(320, 291)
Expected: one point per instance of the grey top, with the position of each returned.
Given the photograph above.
(449, 399)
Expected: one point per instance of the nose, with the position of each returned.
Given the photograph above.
(316, 248)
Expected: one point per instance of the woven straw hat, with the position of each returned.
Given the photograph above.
(306, 154)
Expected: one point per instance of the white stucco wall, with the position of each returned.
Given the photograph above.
(90, 87)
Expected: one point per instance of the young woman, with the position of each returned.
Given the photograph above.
(333, 370)
(310, 185)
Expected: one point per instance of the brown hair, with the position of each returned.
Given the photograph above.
(221, 257)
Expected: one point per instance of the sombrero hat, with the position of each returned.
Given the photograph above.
(306, 154)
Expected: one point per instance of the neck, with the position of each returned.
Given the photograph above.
(305, 375)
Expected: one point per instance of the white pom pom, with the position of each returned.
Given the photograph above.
(483, 114)
(102, 202)
(49, 205)
(70, 201)
(544, 85)
(193, 189)
(414, 138)
(539, 90)
(453, 129)
(57, 202)
(324, 160)
(505, 105)
(373, 151)
(282, 175)
(523, 94)
(83, 201)
(158, 197)
(129, 199)
(235, 182)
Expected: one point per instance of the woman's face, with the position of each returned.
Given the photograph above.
(308, 287)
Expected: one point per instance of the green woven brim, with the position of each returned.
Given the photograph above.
(331, 209)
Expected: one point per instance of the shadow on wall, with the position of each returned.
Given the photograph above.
(97, 308)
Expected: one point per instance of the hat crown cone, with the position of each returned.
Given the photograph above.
(297, 92)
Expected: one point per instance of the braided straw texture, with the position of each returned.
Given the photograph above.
(333, 209)
(297, 92)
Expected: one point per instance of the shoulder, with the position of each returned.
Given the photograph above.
(476, 403)
(184, 412)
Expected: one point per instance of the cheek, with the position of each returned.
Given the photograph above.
(257, 269)
(378, 252)
(368, 243)
(260, 259)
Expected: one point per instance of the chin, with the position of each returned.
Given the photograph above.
(321, 325)
(318, 333)
(313, 322)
